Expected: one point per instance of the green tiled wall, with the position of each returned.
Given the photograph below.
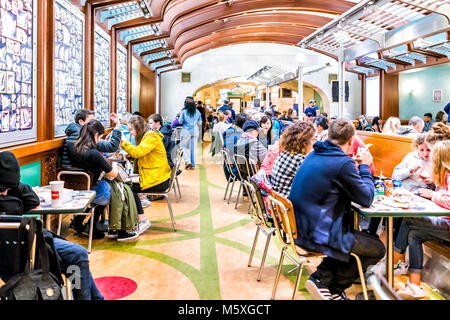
(31, 174)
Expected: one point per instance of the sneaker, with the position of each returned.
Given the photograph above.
(400, 268)
(76, 226)
(146, 203)
(188, 166)
(112, 234)
(317, 289)
(412, 292)
(143, 225)
(126, 235)
(337, 294)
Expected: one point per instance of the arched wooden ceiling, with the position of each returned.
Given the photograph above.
(193, 26)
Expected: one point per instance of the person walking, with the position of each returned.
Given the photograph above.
(190, 119)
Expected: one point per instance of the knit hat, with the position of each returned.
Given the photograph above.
(9, 170)
(250, 125)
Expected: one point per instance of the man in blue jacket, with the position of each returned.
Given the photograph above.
(322, 191)
(226, 107)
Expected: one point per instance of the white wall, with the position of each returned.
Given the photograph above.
(244, 60)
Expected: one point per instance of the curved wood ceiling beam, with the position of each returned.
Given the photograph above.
(288, 40)
(298, 20)
(206, 10)
(237, 36)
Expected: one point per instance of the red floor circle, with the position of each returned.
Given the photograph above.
(113, 288)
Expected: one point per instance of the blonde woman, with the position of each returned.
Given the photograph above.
(391, 126)
(222, 125)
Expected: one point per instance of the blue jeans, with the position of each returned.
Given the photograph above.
(103, 193)
(414, 232)
(74, 254)
(189, 145)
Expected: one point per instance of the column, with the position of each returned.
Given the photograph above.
(267, 95)
(300, 91)
(158, 94)
(341, 79)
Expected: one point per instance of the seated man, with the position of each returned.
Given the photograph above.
(249, 146)
(322, 191)
(413, 129)
(68, 253)
(156, 123)
(230, 139)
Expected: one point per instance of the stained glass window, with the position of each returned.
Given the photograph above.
(102, 62)
(68, 63)
(121, 80)
(17, 72)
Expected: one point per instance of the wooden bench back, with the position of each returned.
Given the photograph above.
(387, 150)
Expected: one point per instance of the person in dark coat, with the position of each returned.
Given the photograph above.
(156, 123)
(322, 191)
(201, 109)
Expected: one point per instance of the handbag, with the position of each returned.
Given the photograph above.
(122, 174)
(38, 284)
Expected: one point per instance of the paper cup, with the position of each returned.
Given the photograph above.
(57, 190)
(68, 195)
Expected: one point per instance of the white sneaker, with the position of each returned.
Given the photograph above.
(143, 225)
(412, 292)
(400, 268)
(146, 203)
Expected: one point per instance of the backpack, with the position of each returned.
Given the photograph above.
(10, 205)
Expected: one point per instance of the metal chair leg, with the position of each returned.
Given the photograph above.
(297, 281)
(231, 190)
(171, 213)
(178, 187)
(237, 197)
(91, 230)
(263, 260)
(254, 246)
(361, 275)
(277, 278)
(226, 190)
(58, 232)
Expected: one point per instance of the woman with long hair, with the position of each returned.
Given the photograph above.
(391, 126)
(83, 154)
(150, 163)
(376, 124)
(266, 134)
(190, 119)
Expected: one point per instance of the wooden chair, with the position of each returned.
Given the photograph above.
(78, 180)
(286, 229)
(255, 197)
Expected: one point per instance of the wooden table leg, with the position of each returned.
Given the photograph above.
(390, 251)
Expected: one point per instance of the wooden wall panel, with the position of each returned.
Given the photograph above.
(147, 93)
(389, 95)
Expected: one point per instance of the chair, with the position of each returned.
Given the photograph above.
(382, 289)
(12, 248)
(78, 185)
(255, 197)
(166, 192)
(286, 229)
(178, 158)
(178, 134)
(232, 177)
(245, 171)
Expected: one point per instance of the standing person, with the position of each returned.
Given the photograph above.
(428, 119)
(201, 109)
(190, 119)
(313, 109)
(151, 163)
(226, 107)
(391, 126)
(322, 191)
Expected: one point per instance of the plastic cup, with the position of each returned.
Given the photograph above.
(68, 195)
(57, 191)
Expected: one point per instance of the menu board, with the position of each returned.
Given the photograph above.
(102, 62)
(121, 80)
(68, 63)
(17, 72)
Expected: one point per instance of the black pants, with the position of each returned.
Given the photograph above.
(136, 188)
(98, 211)
(339, 274)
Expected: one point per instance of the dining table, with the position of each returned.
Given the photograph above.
(391, 207)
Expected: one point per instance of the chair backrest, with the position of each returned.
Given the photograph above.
(242, 166)
(253, 166)
(254, 201)
(228, 161)
(175, 169)
(178, 133)
(75, 179)
(284, 219)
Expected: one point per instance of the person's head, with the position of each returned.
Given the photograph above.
(416, 123)
(427, 117)
(309, 117)
(439, 132)
(221, 116)
(189, 105)
(324, 114)
(421, 146)
(341, 132)
(199, 104)
(392, 124)
(9, 171)
(289, 112)
(251, 127)
(230, 104)
(265, 123)
(312, 103)
(240, 119)
(228, 114)
(83, 116)
(294, 113)
(137, 113)
(155, 121)
(90, 135)
(321, 123)
(440, 157)
(440, 116)
(226, 102)
(138, 127)
(298, 138)
(268, 113)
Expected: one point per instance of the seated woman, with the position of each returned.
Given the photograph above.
(391, 126)
(222, 125)
(267, 134)
(321, 123)
(296, 142)
(84, 154)
(150, 163)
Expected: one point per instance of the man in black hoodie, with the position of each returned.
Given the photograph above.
(67, 253)
(156, 123)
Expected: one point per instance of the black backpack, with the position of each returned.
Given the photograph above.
(10, 205)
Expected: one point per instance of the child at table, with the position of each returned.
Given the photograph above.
(415, 231)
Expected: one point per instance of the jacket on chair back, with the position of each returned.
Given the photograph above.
(321, 194)
(151, 159)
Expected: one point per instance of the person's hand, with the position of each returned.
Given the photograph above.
(426, 193)
(363, 157)
(114, 118)
(414, 168)
(426, 180)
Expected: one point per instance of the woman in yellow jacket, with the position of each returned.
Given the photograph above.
(150, 162)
